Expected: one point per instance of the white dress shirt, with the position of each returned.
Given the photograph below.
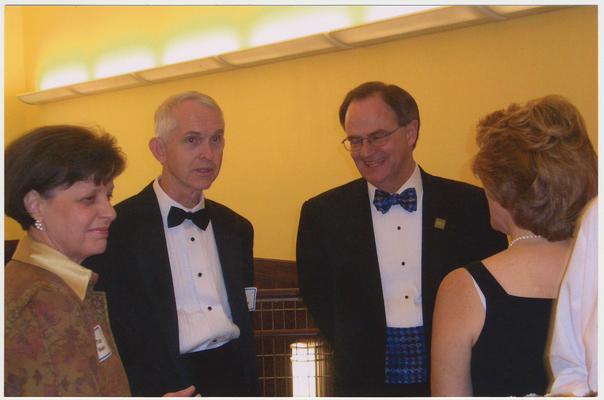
(398, 240)
(574, 352)
(204, 315)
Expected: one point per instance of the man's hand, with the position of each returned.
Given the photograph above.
(188, 392)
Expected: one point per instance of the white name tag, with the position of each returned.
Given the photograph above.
(102, 347)
(250, 295)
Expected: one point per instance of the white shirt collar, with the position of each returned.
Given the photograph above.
(415, 181)
(165, 201)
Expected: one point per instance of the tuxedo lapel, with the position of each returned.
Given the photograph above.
(429, 210)
(362, 261)
(155, 272)
(230, 253)
(358, 280)
(434, 223)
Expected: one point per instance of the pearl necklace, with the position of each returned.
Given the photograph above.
(523, 238)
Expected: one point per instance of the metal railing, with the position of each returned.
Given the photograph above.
(280, 320)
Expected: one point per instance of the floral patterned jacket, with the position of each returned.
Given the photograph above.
(55, 342)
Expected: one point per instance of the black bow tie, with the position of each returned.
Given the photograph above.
(177, 215)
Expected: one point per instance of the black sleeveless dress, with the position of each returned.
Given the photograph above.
(508, 358)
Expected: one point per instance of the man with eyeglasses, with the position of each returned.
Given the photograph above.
(371, 253)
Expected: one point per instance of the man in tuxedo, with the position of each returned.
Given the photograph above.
(178, 265)
(371, 253)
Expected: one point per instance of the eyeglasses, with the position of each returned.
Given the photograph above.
(376, 139)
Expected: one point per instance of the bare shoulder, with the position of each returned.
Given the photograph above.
(457, 283)
(458, 305)
(458, 320)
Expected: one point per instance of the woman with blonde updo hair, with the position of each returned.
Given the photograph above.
(491, 318)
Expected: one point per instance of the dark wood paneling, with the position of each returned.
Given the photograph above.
(275, 274)
(268, 273)
(9, 249)
(279, 293)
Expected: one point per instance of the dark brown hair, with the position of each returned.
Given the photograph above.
(56, 156)
(538, 163)
(398, 99)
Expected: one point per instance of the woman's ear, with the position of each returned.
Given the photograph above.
(33, 203)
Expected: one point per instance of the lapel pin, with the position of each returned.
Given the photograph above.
(439, 223)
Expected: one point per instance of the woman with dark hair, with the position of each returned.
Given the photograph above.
(491, 318)
(58, 342)
(57, 337)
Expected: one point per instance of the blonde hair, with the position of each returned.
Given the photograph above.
(539, 164)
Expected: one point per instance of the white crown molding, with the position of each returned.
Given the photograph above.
(423, 22)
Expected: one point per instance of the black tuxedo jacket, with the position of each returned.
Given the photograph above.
(340, 279)
(136, 277)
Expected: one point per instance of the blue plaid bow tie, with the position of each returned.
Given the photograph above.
(384, 200)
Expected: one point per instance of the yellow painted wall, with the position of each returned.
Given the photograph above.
(282, 129)
(18, 116)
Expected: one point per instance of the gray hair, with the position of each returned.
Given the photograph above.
(164, 123)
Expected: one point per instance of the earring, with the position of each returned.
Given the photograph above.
(38, 225)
